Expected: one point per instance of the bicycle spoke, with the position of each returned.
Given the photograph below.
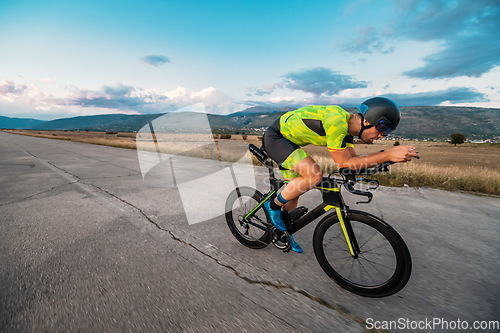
(346, 261)
(361, 266)
(240, 202)
(376, 247)
(374, 234)
(352, 265)
(380, 269)
(376, 265)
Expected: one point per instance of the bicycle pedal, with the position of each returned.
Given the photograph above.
(281, 240)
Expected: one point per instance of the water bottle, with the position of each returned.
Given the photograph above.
(297, 213)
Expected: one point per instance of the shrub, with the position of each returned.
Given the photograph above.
(457, 139)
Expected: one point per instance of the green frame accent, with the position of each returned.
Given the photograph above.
(249, 215)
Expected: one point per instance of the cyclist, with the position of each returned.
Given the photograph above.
(333, 127)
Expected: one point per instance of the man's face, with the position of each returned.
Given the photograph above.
(370, 134)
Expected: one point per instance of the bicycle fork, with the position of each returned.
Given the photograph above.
(347, 232)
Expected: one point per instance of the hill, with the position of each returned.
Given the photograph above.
(262, 109)
(109, 122)
(18, 123)
(435, 122)
(441, 121)
(417, 122)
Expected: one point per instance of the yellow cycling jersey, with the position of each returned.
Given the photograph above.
(320, 125)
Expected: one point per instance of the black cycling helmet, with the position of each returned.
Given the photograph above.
(380, 112)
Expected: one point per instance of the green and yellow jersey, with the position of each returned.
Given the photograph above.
(320, 125)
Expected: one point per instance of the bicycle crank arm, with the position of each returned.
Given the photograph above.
(256, 225)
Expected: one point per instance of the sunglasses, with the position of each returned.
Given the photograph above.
(384, 127)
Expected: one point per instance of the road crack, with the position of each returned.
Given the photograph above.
(34, 194)
(276, 285)
(100, 192)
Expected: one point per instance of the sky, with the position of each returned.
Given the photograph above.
(65, 58)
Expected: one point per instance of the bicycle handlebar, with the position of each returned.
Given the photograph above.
(349, 179)
(366, 171)
(348, 175)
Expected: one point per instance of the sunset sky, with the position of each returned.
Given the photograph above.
(64, 58)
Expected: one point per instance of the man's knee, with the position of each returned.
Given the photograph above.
(314, 174)
(312, 178)
(315, 178)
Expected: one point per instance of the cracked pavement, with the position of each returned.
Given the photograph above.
(88, 245)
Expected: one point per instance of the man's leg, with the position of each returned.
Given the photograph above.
(310, 175)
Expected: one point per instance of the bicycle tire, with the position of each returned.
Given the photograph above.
(357, 275)
(238, 204)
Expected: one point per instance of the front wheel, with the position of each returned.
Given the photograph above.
(383, 265)
(240, 202)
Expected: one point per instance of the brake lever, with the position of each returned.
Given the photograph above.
(349, 185)
(367, 194)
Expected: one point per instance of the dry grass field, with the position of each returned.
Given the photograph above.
(124, 140)
(467, 167)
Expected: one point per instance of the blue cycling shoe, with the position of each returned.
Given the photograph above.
(294, 246)
(275, 215)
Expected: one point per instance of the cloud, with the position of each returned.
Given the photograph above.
(318, 81)
(321, 81)
(156, 60)
(278, 101)
(453, 95)
(369, 41)
(120, 97)
(214, 101)
(9, 87)
(127, 98)
(466, 30)
(265, 90)
(466, 56)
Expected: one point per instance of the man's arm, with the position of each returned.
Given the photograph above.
(347, 158)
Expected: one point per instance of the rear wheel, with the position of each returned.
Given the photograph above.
(383, 265)
(239, 203)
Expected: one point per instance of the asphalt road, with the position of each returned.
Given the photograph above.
(88, 244)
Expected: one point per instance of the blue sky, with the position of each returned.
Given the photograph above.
(63, 58)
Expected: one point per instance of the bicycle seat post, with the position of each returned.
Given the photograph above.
(261, 155)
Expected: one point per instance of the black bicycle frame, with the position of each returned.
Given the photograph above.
(332, 199)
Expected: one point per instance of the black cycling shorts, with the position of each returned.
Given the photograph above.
(281, 150)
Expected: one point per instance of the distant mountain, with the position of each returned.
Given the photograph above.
(417, 122)
(263, 109)
(421, 122)
(18, 123)
(108, 122)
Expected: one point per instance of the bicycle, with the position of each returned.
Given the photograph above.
(359, 251)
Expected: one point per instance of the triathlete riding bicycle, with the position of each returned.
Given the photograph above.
(333, 127)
